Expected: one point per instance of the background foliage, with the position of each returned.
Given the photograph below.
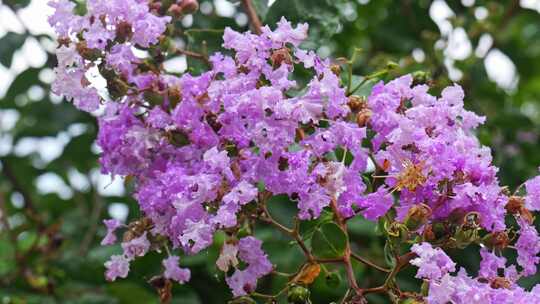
(53, 198)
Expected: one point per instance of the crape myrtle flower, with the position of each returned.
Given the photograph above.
(204, 152)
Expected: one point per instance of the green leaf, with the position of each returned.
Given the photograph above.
(307, 228)
(22, 83)
(329, 241)
(16, 4)
(322, 15)
(10, 43)
(261, 6)
(128, 292)
(7, 255)
(389, 255)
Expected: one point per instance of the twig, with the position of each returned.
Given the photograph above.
(401, 262)
(291, 232)
(252, 15)
(191, 54)
(347, 255)
(369, 263)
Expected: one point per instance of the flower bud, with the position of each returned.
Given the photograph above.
(515, 203)
(357, 103)
(516, 206)
(336, 69)
(280, 56)
(501, 283)
(417, 216)
(362, 118)
(86, 52)
(333, 279)
(189, 6)
(420, 77)
(175, 10)
(124, 31)
(496, 240)
(298, 295)
(390, 65)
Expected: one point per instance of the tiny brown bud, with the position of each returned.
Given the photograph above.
(211, 119)
(236, 170)
(155, 6)
(163, 287)
(123, 31)
(86, 52)
(497, 240)
(514, 205)
(428, 233)
(175, 95)
(357, 103)
(362, 118)
(336, 69)
(175, 10)
(300, 134)
(189, 6)
(501, 283)
(280, 56)
(63, 41)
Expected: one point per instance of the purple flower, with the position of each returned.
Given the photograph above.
(110, 237)
(432, 263)
(146, 30)
(464, 289)
(136, 247)
(528, 248)
(376, 204)
(173, 270)
(490, 264)
(532, 199)
(117, 266)
(69, 83)
(245, 281)
(227, 257)
(196, 236)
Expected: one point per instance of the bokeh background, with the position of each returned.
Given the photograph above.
(53, 197)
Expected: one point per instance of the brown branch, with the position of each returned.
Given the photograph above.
(291, 232)
(347, 255)
(369, 263)
(192, 54)
(402, 261)
(253, 17)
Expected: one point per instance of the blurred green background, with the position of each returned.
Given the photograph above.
(53, 198)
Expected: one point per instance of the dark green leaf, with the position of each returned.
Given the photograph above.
(22, 83)
(10, 43)
(329, 241)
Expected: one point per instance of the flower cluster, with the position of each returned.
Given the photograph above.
(205, 152)
(461, 288)
(426, 146)
(103, 38)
